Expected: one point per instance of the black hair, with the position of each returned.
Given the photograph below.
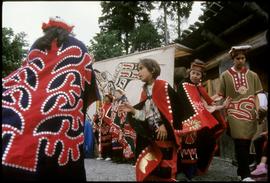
(44, 42)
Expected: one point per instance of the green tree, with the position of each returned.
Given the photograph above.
(123, 16)
(182, 11)
(145, 37)
(106, 45)
(176, 11)
(13, 50)
(162, 21)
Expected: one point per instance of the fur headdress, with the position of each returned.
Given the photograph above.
(239, 49)
(57, 22)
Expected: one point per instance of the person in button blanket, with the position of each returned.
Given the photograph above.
(44, 104)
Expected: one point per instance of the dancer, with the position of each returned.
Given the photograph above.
(199, 143)
(242, 85)
(156, 125)
(123, 136)
(103, 125)
(44, 104)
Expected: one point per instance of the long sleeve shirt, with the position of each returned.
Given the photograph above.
(150, 111)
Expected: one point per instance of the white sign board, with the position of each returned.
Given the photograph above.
(121, 72)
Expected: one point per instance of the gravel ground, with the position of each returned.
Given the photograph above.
(100, 170)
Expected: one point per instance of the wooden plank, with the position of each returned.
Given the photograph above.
(256, 41)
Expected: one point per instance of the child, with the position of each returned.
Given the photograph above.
(155, 121)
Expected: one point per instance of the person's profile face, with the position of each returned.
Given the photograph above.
(144, 74)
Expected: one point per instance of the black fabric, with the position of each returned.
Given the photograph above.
(242, 156)
(177, 108)
(259, 148)
(189, 170)
(141, 144)
(141, 127)
(144, 134)
(205, 147)
(187, 110)
(167, 153)
(117, 154)
(48, 169)
(106, 150)
(162, 172)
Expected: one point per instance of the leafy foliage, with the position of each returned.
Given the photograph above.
(106, 45)
(122, 16)
(176, 11)
(13, 51)
(182, 11)
(145, 37)
(126, 26)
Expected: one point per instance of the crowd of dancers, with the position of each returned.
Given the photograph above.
(172, 130)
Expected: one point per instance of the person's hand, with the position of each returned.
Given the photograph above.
(264, 133)
(227, 102)
(161, 132)
(216, 98)
(126, 107)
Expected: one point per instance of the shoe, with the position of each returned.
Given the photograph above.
(248, 179)
(108, 159)
(260, 170)
(99, 158)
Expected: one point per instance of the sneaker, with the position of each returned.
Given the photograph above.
(260, 170)
(99, 158)
(248, 179)
(108, 159)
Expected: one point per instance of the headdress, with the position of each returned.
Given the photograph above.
(237, 49)
(198, 65)
(57, 22)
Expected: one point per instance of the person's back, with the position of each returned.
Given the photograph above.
(43, 107)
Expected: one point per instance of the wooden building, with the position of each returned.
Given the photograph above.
(223, 25)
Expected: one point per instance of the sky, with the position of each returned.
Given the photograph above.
(28, 17)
